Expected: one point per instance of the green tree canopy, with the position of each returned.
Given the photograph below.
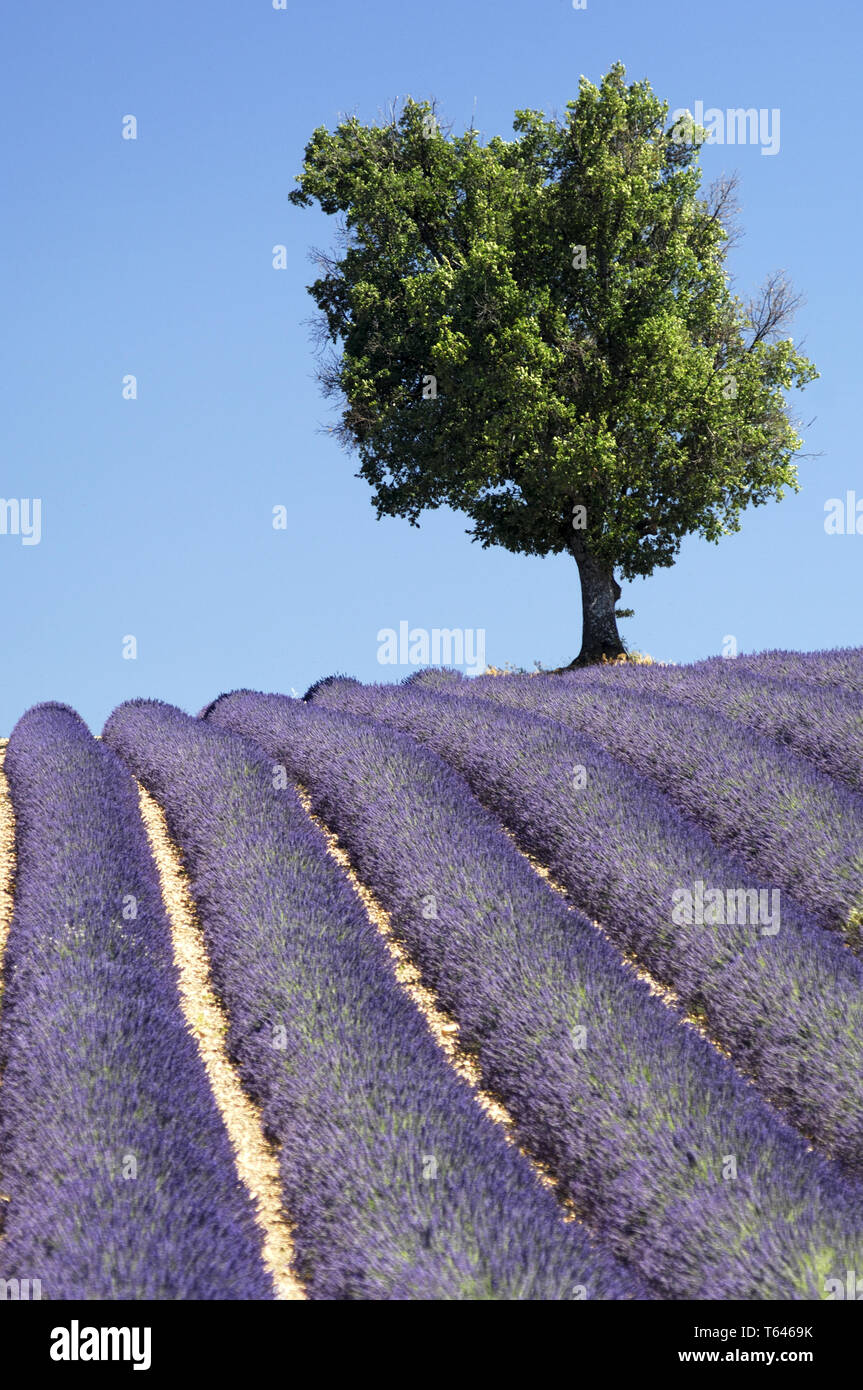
(541, 333)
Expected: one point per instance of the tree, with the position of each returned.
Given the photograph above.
(541, 333)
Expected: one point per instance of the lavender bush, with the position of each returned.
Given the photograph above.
(400, 1186)
(822, 723)
(842, 666)
(119, 1171)
(657, 1140)
(788, 1005)
(788, 823)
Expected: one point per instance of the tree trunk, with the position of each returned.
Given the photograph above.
(599, 594)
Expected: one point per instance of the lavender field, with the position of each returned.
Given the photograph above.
(510, 988)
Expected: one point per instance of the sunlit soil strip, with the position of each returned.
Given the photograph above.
(667, 995)
(663, 992)
(442, 1025)
(255, 1157)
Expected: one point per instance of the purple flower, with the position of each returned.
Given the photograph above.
(662, 1147)
(118, 1166)
(399, 1186)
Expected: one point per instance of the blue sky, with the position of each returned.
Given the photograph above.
(153, 257)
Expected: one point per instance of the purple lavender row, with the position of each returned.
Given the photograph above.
(786, 821)
(399, 1185)
(784, 997)
(822, 723)
(119, 1170)
(659, 1143)
(842, 666)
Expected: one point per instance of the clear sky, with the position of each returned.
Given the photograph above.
(153, 257)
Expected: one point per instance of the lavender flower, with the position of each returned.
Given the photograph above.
(820, 722)
(786, 822)
(842, 667)
(787, 1004)
(399, 1185)
(659, 1143)
(120, 1174)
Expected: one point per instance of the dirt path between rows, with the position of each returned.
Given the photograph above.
(256, 1159)
(663, 992)
(443, 1027)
